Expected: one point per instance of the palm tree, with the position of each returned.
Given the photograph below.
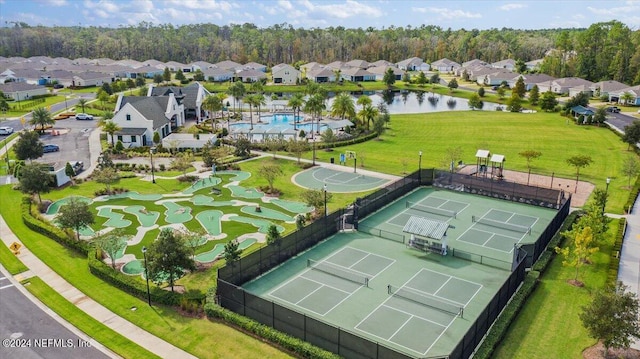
(315, 105)
(110, 128)
(257, 87)
(343, 106)
(260, 101)
(82, 102)
(627, 97)
(364, 100)
(40, 118)
(295, 102)
(237, 90)
(368, 114)
(212, 104)
(251, 100)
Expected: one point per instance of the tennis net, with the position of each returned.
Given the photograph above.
(381, 233)
(338, 271)
(503, 225)
(425, 299)
(433, 210)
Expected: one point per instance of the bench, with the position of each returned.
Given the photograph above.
(215, 190)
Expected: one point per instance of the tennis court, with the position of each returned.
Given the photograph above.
(499, 230)
(337, 181)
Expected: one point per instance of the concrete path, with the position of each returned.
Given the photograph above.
(86, 304)
(629, 269)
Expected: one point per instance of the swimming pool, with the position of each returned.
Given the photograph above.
(277, 122)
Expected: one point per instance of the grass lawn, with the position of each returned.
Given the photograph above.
(81, 320)
(500, 132)
(548, 326)
(10, 261)
(200, 337)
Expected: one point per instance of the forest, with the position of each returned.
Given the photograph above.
(604, 51)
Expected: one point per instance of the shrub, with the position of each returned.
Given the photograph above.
(545, 258)
(614, 264)
(633, 194)
(162, 167)
(187, 178)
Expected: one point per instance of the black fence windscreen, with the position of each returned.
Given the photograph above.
(349, 344)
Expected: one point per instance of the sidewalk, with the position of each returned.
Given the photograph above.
(86, 304)
(629, 268)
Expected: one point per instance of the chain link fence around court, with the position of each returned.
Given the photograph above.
(344, 342)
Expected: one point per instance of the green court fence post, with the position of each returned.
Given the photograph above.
(355, 160)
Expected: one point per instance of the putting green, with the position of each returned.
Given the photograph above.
(134, 267)
(239, 191)
(263, 225)
(114, 219)
(176, 213)
(267, 213)
(120, 252)
(146, 219)
(203, 183)
(295, 207)
(87, 231)
(213, 254)
(55, 206)
(210, 220)
(239, 175)
(135, 196)
(202, 200)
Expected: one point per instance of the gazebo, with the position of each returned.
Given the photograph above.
(482, 161)
(497, 166)
(427, 229)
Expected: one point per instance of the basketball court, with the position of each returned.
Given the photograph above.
(337, 181)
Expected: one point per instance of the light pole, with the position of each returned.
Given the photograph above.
(153, 176)
(146, 273)
(606, 194)
(420, 167)
(325, 201)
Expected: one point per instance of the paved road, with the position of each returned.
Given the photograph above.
(629, 268)
(28, 332)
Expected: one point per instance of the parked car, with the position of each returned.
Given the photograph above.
(613, 109)
(50, 148)
(6, 130)
(58, 86)
(78, 166)
(84, 116)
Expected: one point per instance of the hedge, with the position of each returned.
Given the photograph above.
(130, 284)
(500, 327)
(614, 264)
(633, 194)
(49, 230)
(350, 142)
(298, 346)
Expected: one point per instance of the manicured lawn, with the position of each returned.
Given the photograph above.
(10, 261)
(201, 337)
(81, 320)
(500, 132)
(88, 188)
(549, 326)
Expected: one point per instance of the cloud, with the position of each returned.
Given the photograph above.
(285, 5)
(349, 8)
(208, 5)
(447, 13)
(56, 3)
(509, 7)
(631, 8)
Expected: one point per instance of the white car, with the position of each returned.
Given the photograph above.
(6, 130)
(84, 116)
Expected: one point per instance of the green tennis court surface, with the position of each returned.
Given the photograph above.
(337, 181)
(417, 302)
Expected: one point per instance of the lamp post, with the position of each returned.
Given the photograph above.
(606, 194)
(146, 273)
(325, 200)
(153, 176)
(420, 167)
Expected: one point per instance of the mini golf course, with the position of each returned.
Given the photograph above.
(141, 216)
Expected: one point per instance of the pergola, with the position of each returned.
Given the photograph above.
(427, 228)
(482, 161)
(497, 165)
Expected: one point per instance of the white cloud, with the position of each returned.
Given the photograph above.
(448, 14)
(345, 10)
(57, 3)
(285, 5)
(509, 7)
(207, 5)
(631, 8)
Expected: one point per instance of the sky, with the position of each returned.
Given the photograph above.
(467, 14)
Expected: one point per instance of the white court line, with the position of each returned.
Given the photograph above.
(411, 314)
(487, 241)
(381, 338)
(305, 297)
(458, 278)
(340, 302)
(326, 285)
(443, 284)
(6, 286)
(402, 326)
(368, 275)
(483, 246)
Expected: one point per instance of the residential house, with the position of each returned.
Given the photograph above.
(139, 117)
(382, 63)
(229, 65)
(379, 72)
(20, 91)
(336, 65)
(508, 64)
(445, 65)
(250, 75)
(495, 78)
(87, 79)
(534, 65)
(530, 80)
(285, 74)
(183, 141)
(321, 75)
(356, 74)
(62, 77)
(604, 88)
(175, 66)
(561, 86)
(201, 65)
(362, 64)
(214, 74)
(474, 62)
(633, 91)
(580, 89)
(413, 64)
(30, 76)
(255, 66)
(190, 98)
(153, 63)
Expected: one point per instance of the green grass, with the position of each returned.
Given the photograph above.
(200, 337)
(10, 261)
(88, 188)
(81, 320)
(501, 132)
(549, 326)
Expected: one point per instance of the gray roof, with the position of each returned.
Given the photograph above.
(91, 75)
(131, 131)
(18, 86)
(152, 108)
(426, 227)
(483, 153)
(188, 94)
(338, 124)
(607, 86)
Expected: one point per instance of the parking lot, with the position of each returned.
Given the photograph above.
(73, 140)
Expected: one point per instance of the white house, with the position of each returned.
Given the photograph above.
(379, 72)
(530, 80)
(139, 117)
(215, 74)
(562, 86)
(606, 87)
(508, 64)
(20, 91)
(285, 74)
(87, 79)
(181, 141)
(633, 91)
(413, 64)
(255, 66)
(189, 97)
(318, 74)
(250, 75)
(445, 65)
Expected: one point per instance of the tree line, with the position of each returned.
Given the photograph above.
(604, 50)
